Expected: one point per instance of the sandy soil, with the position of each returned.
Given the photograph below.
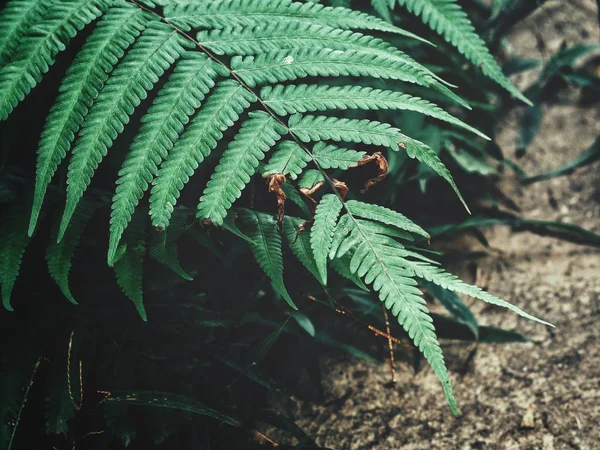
(540, 395)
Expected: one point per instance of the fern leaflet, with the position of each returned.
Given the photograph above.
(220, 112)
(16, 16)
(239, 162)
(266, 248)
(182, 94)
(288, 159)
(156, 49)
(129, 266)
(321, 234)
(59, 255)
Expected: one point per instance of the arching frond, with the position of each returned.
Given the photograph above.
(447, 18)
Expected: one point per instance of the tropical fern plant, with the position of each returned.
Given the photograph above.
(235, 82)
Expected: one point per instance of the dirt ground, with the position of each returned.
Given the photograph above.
(540, 395)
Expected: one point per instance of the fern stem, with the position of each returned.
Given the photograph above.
(22, 407)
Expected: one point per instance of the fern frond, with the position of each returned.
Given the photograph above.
(37, 50)
(266, 248)
(158, 47)
(447, 18)
(377, 259)
(384, 215)
(220, 112)
(115, 32)
(163, 245)
(425, 154)
(300, 245)
(288, 159)
(13, 242)
(334, 157)
(193, 77)
(451, 282)
(321, 233)
(239, 162)
(303, 98)
(15, 17)
(59, 255)
(129, 266)
(220, 13)
(288, 65)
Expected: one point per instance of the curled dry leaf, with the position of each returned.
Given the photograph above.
(382, 169)
(275, 181)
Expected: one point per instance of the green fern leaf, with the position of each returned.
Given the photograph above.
(156, 50)
(370, 132)
(129, 266)
(321, 233)
(13, 242)
(384, 215)
(377, 261)
(288, 159)
(334, 157)
(446, 280)
(300, 245)
(183, 93)
(447, 18)
(266, 248)
(383, 8)
(36, 52)
(59, 255)
(273, 36)
(15, 17)
(115, 32)
(220, 112)
(259, 12)
(303, 98)
(239, 162)
(289, 65)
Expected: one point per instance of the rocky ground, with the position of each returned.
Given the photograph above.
(540, 395)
